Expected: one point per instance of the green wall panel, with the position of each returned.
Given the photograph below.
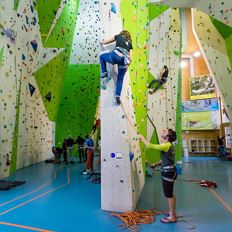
(16, 4)
(62, 34)
(226, 32)
(135, 17)
(1, 56)
(47, 12)
(156, 10)
(13, 164)
(50, 80)
(78, 102)
(223, 29)
(50, 77)
(229, 50)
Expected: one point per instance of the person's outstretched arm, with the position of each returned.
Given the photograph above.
(107, 41)
(161, 147)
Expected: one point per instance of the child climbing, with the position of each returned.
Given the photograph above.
(161, 81)
(121, 55)
(168, 170)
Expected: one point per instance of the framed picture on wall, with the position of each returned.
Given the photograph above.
(202, 87)
(211, 104)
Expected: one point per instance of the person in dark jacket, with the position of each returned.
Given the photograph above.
(70, 145)
(162, 80)
(222, 151)
(57, 151)
(80, 147)
(64, 150)
(168, 170)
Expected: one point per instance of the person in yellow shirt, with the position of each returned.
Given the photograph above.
(168, 170)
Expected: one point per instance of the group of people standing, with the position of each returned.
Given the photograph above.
(85, 148)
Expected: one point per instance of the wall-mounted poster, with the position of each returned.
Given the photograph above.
(202, 87)
(201, 120)
(200, 105)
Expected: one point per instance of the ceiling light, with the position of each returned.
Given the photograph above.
(183, 64)
(196, 54)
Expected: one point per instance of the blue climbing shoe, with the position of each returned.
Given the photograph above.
(103, 83)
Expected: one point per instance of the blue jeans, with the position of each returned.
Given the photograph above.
(114, 58)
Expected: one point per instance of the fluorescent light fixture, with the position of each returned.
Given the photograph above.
(183, 64)
(196, 54)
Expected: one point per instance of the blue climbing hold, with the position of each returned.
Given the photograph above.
(34, 45)
(31, 89)
(113, 7)
(131, 154)
(112, 155)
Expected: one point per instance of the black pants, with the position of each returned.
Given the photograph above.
(81, 152)
(160, 83)
(65, 156)
(167, 184)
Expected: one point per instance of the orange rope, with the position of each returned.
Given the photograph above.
(132, 219)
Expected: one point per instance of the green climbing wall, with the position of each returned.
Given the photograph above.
(226, 32)
(50, 81)
(78, 102)
(47, 11)
(135, 16)
(50, 77)
(229, 49)
(156, 10)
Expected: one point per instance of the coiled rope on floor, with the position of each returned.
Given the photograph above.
(132, 219)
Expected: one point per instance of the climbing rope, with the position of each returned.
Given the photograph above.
(132, 219)
(129, 120)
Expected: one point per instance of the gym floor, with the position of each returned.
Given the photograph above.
(58, 198)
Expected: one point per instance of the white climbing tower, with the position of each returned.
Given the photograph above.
(122, 176)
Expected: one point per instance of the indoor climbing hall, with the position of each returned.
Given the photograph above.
(115, 115)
